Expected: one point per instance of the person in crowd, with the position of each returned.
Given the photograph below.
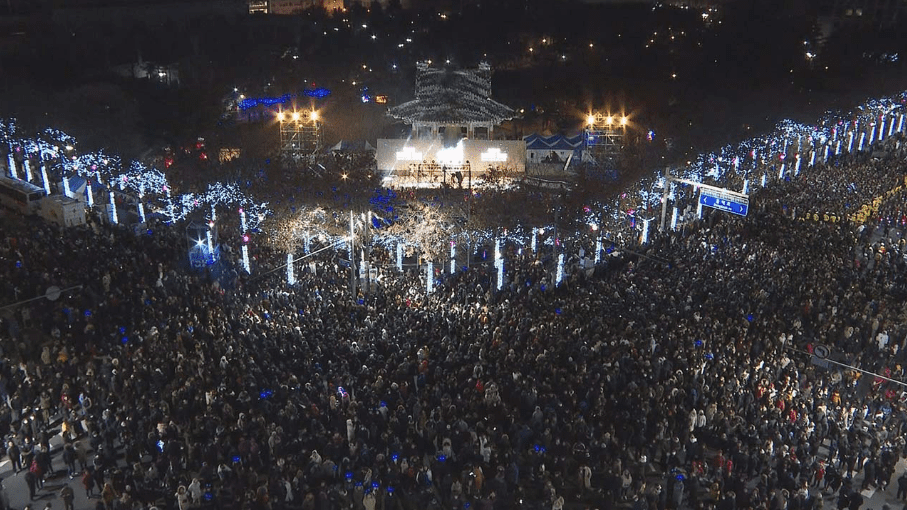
(671, 374)
(68, 496)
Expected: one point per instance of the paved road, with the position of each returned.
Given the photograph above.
(17, 489)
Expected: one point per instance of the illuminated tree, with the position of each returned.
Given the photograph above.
(425, 224)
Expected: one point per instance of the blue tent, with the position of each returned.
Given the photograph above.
(539, 147)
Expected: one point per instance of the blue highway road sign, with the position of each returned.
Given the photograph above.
(723, 204)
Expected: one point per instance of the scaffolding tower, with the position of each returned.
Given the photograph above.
(300, 133)
(604, 136)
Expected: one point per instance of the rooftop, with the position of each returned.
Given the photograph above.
(452, 97)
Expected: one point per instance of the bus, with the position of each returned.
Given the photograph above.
(21, 196)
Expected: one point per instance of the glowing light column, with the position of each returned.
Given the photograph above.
(89, 193)
(44, 180)
(598, 246)
(675, 213)
(141, 205)
(882, 129)
(245, 259)
(560, 270)
(291, 276)
(535, 235)
(453, 257)
(245, 246)
(901, 124)
(872, 134)
(13, 171)
(850, 142)
(400, 257)
(113, 210)
(797, 164)
(891, 127)
(862, 138)
(499, 263)
(170, 207)
(27, 165)
(429, 277)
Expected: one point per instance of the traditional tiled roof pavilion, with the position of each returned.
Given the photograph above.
(457, 99)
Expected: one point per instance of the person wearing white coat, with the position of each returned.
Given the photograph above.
(585, 478)
(195, 491)
(484, 449)
(182, 497)
(558, 503)
(369, 501)
(288, 488)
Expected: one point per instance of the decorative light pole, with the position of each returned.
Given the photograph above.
(352, 260)
(11, 160)
(44, 179)
(113, 210)
(291, 276)
(245, 242)
(453, 257)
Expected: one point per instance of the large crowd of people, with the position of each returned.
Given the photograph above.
(676, 375)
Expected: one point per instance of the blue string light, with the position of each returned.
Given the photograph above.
(252, 102)
(319, 92)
